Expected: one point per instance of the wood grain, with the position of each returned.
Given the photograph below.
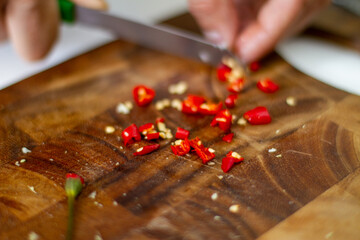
(61, 114)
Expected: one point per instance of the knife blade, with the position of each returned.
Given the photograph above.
(158, 37)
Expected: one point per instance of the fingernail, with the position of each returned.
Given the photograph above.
(97, 4)
(216, 38)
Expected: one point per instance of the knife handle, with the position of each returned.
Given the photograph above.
(67, 10)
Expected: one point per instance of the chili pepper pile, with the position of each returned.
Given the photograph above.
(227, 72)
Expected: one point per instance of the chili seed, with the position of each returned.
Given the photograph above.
(241, 121)
(214, 196)
(291, 101)
(109, 129)
(234, 208)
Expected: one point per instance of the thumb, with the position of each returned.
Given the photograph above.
(217, 18)
(94, 4)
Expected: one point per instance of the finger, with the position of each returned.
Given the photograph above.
(261, 36)
(94, 4)
(217, 18)
(32, 26)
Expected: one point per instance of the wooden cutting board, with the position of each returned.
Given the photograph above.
(307, 189)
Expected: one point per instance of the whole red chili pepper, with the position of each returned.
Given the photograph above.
(236, 86)
(143, 95)
(181, 147)
(223, 120)
(228, 138)
(229, 160)
(254, 66)
(182, 133)
(146, 149)
(210, 108)
(131, 134)
(267, 85)
(231, 100)
(223, 72)
(258, 116)
(191, 104)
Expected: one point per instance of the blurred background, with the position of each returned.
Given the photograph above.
(321, 57)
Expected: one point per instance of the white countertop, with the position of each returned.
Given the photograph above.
(332, 64)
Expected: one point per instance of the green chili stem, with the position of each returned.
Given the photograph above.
(70, 225)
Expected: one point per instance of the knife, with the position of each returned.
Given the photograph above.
(159, 37)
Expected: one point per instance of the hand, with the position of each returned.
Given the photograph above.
(252, 28)
(32, 25)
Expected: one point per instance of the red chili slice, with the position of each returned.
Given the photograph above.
(229, 160)
(158, 120)
(182, 133)
(131, 134)
(210, 108)
(231, 100)
(236, 86)
(201, 150)
(223, 120)
(267, 85)
(143, 95)
(146, 128)
(223, 72)
(195, 143)
(191, 104)
(146, 149)
(152, 136)
(182, 148)
(228, 138)
(258, 116)
(204, 154)
(254, 66)
(228, 163)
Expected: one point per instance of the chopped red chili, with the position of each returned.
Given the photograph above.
(223, 72)
(267, 85)
(228, 138)
(231, 100)
(152, 136)
(159, 120)
(254, 66)
(236, 86)
(146, 128)
(223, 120)
(191, 104)
(229, 160)
(258, 116)
(195, 143)
(204, 154)
(210, 108)
(182, 133)
(181, 147)
(131, 134)
(201, 150)
(146, 149)
(143, 95)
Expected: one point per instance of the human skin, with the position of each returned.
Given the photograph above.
(252, 28)
(32, 25)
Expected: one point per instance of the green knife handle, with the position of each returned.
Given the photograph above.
(67, 10)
